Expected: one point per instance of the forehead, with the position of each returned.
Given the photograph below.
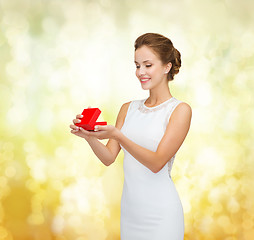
(145, 53)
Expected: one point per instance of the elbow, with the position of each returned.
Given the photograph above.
(156, 169)
(158, 166)
(109, 162)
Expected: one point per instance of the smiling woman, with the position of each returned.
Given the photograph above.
(150, 132)
(164, 49)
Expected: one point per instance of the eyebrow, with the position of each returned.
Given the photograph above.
(144, 61)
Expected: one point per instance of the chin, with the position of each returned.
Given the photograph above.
(145, 87)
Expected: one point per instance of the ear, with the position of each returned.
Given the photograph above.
(168, 67)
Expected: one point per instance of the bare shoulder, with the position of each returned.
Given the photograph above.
(125, 106)
(182, 111)
(124, 109)
(122, 114)
(184, 107)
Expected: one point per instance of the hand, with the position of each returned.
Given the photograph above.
(104, 132)
(77, 130)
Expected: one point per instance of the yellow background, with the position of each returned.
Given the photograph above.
(60, 56)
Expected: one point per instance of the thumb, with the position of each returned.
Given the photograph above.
(99, 127)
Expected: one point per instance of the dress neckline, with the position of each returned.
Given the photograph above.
(169, 100)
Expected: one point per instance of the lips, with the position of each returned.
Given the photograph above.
(143, 80)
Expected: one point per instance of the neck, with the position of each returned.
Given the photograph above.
(159, 95)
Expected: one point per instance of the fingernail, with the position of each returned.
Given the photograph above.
(81, 115)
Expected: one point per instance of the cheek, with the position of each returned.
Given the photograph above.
(151, 71)
(157, 72)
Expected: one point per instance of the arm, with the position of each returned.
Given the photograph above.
(107, 154)
(173, 138)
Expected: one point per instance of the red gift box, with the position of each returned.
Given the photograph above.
(90, 115)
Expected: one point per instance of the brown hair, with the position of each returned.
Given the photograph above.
(164, 48)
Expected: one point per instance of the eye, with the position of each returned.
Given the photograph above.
(149, 65)
(137, 66)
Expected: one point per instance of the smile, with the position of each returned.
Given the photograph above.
(144, 79)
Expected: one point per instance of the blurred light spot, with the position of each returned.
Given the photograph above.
(36, 219)
(55, 81)
(231, 238)
(61, 152)
(187, 205)
(214, 195)
(225, 222)
(247, 40)
(49, 25)
(233, 205)
(66, 115)
(3, 182)
(58, 185)
(74, 221)
(32, 185)
(10, 172)
(7, 156)
(30, 146)
(230, 120)
(203, 94)
(81, 238)
(206, 223)
(17, 115)
(58, 224)
(45, 120)
(15, 20)
(14, 70)
(3, 233)
(218, 207)
(38, 168)
(210, 159)
(8, 146)
(248, 224)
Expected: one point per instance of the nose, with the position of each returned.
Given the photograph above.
(141, 71)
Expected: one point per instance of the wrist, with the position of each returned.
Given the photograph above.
(91, 139)
(117, 135)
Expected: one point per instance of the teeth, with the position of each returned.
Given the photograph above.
(144, 80)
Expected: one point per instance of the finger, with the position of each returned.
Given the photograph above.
(76, 120)
(84, 131)
(79, 116)
(74, 131)
(99, 128)
(74, 127)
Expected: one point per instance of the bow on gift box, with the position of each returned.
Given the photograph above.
(90, 115)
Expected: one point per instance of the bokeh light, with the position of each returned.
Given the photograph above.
(60, 56)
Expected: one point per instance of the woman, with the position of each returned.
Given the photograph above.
(150, 132)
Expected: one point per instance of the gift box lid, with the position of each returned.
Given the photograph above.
(90, 115)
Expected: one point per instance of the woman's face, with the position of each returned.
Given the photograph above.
(149, 69)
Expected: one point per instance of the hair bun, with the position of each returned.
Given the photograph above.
(176, 64)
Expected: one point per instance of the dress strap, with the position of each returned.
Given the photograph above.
(176, 103)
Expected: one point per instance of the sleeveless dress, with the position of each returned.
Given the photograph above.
(150, 205)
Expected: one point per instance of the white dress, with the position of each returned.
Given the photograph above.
(150, 205)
